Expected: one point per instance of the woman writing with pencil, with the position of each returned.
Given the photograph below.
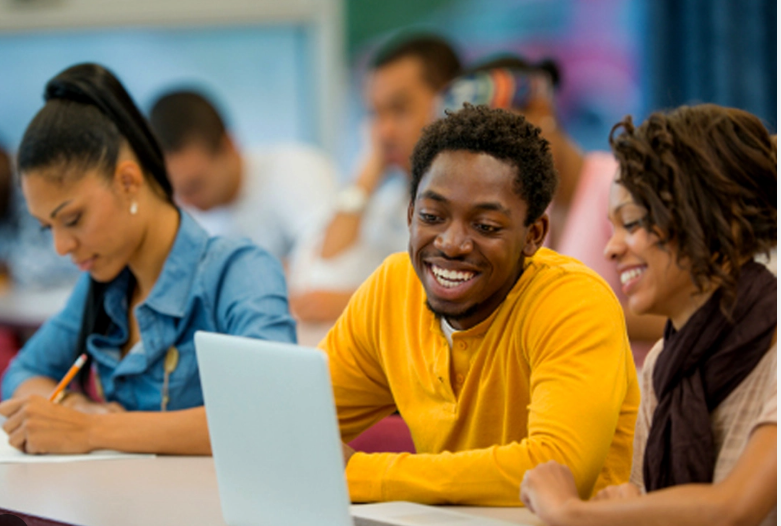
(92, 172)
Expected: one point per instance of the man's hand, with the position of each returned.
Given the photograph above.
(548, 490)
(36, 425)
(343, 231)
(348, 452)
(374, 163)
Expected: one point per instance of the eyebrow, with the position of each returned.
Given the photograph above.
(493, 207)
(430, 194)
(620, 206)
(54, 212)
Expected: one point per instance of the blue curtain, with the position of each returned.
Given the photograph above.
(719, 51)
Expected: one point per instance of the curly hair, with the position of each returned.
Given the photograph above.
(707, 177)
(501, 134)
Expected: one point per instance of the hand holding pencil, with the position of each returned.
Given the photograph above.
(37, 423)
(59, 391)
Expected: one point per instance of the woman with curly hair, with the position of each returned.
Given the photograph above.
(694, 203)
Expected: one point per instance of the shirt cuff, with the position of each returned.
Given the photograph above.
(365, 474)
(13, 378)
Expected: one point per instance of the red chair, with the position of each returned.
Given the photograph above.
(9, 346)
(389, 435)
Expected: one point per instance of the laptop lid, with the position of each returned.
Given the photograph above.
(273, 430)
(276, 443)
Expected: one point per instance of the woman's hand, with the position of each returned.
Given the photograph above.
(79, 402)
(548, 490)
(622, 491)
(36, 425)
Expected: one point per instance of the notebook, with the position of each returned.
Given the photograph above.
(11, 455)
(276, 443)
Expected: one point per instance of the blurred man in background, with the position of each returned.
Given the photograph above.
(276, 198)
(369, 221)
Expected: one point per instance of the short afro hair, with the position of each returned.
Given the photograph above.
(504, 135)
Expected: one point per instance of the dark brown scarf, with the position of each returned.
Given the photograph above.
(700, 366)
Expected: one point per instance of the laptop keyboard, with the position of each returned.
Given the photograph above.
(423, 519)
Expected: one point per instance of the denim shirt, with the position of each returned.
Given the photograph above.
(212, 284)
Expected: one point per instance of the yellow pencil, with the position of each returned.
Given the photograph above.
(68, 377)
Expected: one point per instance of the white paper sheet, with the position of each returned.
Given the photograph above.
(9, 454)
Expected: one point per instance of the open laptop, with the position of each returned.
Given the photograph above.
(276, 443)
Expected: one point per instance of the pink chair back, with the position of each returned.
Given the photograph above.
(389, 435)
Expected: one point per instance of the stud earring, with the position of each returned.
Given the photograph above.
(133, 208)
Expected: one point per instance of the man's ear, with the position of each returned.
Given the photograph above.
(536, 235)
(227, 144)
(410, 211)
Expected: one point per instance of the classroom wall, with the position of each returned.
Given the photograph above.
(256, 75)
(293, 70)
(274, 68)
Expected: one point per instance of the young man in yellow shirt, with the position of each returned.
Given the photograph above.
(499, 354)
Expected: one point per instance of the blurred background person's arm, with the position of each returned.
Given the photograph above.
(369, 222)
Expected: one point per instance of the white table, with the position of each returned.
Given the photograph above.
(162, 491)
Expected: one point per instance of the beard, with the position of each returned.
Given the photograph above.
(469, 311)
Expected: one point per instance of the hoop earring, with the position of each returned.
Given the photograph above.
(133, 208)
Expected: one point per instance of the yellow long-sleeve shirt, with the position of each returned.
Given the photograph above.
(549, 375)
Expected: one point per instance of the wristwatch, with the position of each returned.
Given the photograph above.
(351, 199)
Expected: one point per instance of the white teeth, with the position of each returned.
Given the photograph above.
(632, 273)
(450, 278)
